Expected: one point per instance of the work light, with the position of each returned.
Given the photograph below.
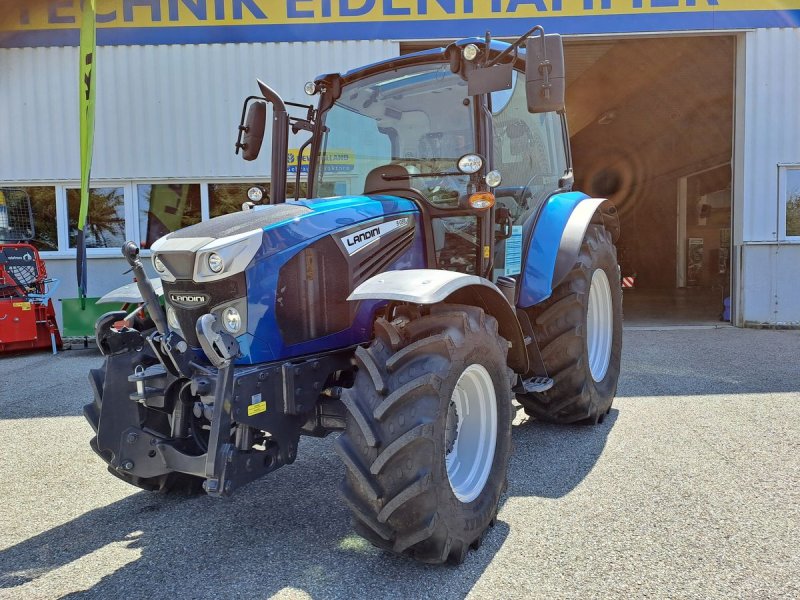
(215, 263)
(231, 320)
(470, 52)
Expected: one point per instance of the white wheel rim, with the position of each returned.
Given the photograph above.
(599, 325)
(470, 459)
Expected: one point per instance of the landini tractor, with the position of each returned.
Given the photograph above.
(438, 267)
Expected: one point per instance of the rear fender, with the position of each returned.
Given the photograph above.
(556, 242)
(432, 286)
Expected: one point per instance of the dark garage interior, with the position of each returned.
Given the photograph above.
(651, 124)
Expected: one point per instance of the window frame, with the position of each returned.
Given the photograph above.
(58, 186)
(63, 217)
(134, 201)
(783, 200)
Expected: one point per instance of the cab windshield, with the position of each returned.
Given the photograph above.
(419, 117)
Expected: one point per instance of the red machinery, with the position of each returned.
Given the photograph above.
(27, 318)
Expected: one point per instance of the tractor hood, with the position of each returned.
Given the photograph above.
(286, 271)
(238, 238)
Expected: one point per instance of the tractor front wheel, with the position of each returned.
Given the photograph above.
(428, 433)
(579, 330)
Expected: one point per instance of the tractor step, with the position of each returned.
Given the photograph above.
(534, 385)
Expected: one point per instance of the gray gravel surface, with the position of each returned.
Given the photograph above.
(691, 488)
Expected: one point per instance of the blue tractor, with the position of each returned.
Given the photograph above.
(439, 266)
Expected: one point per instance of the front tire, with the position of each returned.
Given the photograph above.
(579, 330)
(428, 433)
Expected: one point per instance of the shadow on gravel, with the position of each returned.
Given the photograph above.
(549, 461)
(288, 531)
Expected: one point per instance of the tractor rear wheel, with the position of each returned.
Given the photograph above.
(579, 331)
(428, 433)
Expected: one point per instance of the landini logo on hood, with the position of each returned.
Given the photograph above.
(189, 300)
(362, 238)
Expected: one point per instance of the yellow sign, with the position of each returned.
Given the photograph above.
(23, 305)
(257, 408)
(205, 21)
(335, 161)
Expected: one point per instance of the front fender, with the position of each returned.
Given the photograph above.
(431, 286)
(556, 241)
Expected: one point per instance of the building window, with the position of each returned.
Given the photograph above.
(15, 219)
(226, 198)
(166, 207)
(790, 201)
(105, 222)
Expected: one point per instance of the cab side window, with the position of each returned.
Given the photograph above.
(529, 151)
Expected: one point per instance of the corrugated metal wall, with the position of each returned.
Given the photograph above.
(162, 111)
(770, 270)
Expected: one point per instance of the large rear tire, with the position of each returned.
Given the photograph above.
(428, 433)
(579, 331)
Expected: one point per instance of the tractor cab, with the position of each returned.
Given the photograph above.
(475, 133)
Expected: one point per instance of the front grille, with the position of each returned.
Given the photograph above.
(217, 292)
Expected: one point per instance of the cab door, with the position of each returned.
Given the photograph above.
(530, 151)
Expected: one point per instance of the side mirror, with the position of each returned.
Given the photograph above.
(253, 130)
(544, 74)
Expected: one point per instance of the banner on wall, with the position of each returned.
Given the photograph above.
(86, 101)
(123, 22)
(334, 161)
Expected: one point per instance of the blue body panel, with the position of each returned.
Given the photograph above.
(540, 260)
(282, 241)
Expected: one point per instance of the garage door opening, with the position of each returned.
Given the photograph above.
(652, 129)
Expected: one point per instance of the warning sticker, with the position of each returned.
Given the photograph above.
(255, 409)
(22, 305)
(513, 264)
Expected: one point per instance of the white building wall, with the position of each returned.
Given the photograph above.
(162, 111)
(770, 267)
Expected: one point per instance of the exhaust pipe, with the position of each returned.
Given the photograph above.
(280, 143)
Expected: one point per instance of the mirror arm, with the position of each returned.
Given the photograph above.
(515, 45)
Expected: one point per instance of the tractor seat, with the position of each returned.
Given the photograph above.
(387, 178)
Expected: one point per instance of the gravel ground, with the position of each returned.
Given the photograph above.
(691, 488)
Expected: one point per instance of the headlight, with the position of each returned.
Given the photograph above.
(158, 265)
(231, 320)
(172, 318)
(310, 88)
(255, 194)
(227, 256)
(470, 163)
(215, 263)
